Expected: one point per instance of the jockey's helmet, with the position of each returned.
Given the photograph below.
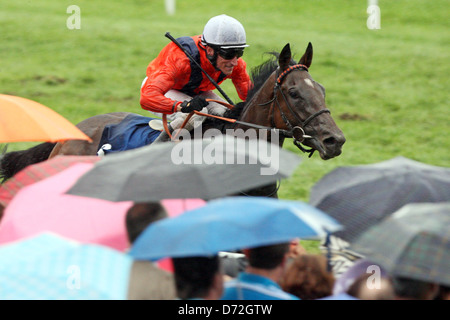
(224, 32)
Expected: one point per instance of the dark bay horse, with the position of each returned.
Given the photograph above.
(284, 97)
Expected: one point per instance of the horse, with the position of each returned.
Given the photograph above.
(284, 97)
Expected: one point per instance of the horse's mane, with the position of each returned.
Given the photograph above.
(259, 75)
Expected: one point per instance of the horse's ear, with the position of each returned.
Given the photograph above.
(307, 56)
(285, 57)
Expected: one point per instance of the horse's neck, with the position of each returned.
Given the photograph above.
(258, 111)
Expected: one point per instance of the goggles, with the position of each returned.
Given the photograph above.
(229, 54)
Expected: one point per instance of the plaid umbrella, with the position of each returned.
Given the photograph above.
(361, 196)
(37, 172)
(414, 242)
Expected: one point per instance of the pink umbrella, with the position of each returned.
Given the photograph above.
(44, 206)
(175, 207)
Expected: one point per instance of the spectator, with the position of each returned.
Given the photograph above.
(266, 265)
(147, 281)
(412, 289)
(198, 277)
(141, 215)
(363, 289)
(307, 277)
(444, 293)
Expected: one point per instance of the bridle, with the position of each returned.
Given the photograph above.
(296, 132)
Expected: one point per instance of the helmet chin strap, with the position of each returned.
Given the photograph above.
(213, 58)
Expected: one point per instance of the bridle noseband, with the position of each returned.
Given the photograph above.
(297, 132)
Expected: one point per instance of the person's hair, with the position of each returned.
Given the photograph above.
(140, 216)
(267, 257)
(360, 289)
(194, 276)
(307, 277)
(444, 293)
(410, 288)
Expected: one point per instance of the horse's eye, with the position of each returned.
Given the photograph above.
(294, 94)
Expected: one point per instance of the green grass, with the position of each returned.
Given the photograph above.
(387, 88)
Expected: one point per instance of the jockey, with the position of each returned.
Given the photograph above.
(176, 86)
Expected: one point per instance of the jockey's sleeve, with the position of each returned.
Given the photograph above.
(152, 95)
(171, 69)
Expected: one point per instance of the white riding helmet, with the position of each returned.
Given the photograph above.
(225, 32)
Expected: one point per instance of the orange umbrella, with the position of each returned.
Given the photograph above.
(26, 120)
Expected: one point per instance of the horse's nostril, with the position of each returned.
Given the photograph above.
(335, 140)
(330, 141)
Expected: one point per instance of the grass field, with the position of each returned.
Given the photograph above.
(386, 88)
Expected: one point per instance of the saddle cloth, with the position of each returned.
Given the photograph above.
(131, 133)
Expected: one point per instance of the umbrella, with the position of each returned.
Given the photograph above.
(414, 242)
(36, 172)
(360, 196)
(229, 224)
(22, 119)
(49, 267)
(202, 168)
(43, 206)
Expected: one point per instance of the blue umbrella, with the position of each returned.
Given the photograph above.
(49, 267)
(231, 223)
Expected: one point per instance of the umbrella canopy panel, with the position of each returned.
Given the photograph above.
(22, 119)
(414, 242)
(361, 196)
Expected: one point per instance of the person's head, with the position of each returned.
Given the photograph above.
(267, 257)
(307, 277)
(365, 289)
(412, 289)
(444, 293)
(140, 215)
(198, 277)
(225, 39)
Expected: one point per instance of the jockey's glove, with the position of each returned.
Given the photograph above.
(197, 103)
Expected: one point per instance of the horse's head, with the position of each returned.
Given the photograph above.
(300, 102)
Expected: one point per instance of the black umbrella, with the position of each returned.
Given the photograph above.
(414, 242)
(206, 169)
(360, 196)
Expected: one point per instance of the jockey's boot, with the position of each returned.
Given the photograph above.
(163, 136)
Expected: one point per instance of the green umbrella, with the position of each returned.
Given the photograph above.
(414, 242)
